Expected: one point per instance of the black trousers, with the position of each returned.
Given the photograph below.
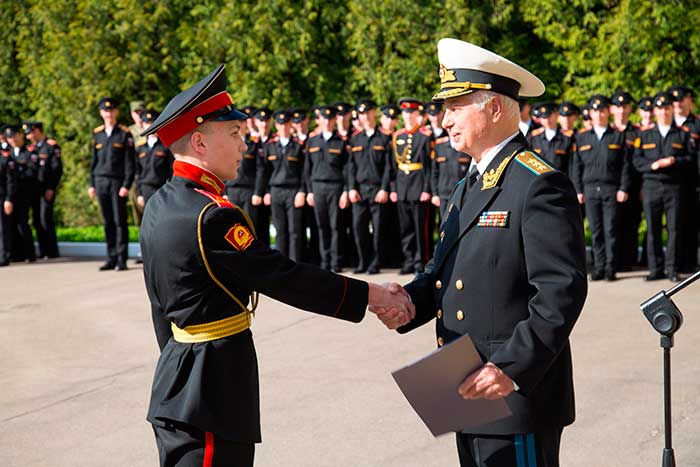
(45, 226)
(260, 215)
(367, 248)
(311, 244)
(659, 199)
(630, 216)
(27, 198)
(688, 257)
(5, 235)
(539, 449)
(326, 198)
(288, 222)
(412, 221)
(181, 445)
(602, 211)
(114, 217)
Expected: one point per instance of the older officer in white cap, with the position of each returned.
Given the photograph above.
(509, 268)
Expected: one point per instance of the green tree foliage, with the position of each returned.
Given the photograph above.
(59, 57)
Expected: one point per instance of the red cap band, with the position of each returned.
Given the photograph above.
(187, 122)
(410, 105)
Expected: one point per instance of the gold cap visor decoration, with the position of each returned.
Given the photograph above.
(466, 68)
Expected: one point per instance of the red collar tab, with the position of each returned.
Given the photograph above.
(191, 119)
(198, 175)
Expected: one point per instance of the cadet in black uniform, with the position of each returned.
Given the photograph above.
(280, 181)
(203, 268)
(369, 178)
(602, 180)
(28, 173)
(550, 142)
(324, 172)
(411, 164)
(50, 173)
(389, 119)
(509, 269)
(662, 153)
(111, 175)
(154, 165)
(449, 167)
(526, 124)
(8, 191)
(240, 190)
(568, 114)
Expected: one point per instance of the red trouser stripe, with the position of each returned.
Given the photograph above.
(208, 449)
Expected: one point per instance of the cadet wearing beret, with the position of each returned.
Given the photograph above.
(601, 175)
(111, 175)
(550, 142)
(499, 273)
(154, 165)
(8, 192)
(568, 114)
(203, 268)
(685, 119)
(280, 181)
(50, 173)
(662, 154)
(369, 178)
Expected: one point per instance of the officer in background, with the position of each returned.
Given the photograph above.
(50, 173)
(448, 167)
(244, 185)
(111, 175)
(550, 142)
(602, 181)
(388, 119)
(662, 154)
(280, 182)
(27, 171)
(587, 125)
(411, 165)
(344, 119)
(568, 114)
(645, 109)
(526, 124)
(8, 191)
(326, 179)
(154, 165)
(137, 108)
(369, 178)
(685, 119)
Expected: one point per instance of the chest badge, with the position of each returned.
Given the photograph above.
(500, 219)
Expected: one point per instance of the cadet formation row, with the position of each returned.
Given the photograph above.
(342, 194)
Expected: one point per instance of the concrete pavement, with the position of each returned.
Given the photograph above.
(78, 354)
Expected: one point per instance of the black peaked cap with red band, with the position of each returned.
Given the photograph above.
(205, 101)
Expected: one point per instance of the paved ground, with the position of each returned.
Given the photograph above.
(78, 354)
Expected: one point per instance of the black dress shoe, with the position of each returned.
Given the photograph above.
(406, 270)
(139, 261)
(359, 270)
(120, 267)
(4, 263)
(336, 269)
(108, 266)
(610, 276)
(655, 276)
(674, 277)
(597, 276)
(372, 270)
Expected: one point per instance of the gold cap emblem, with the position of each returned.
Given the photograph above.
(446, 75)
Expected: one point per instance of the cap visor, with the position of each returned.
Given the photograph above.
(450, 93)
(232, 115)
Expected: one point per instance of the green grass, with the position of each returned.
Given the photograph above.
(94, 233)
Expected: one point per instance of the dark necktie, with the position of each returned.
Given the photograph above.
(472, 177)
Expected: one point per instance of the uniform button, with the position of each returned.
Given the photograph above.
(441, 342)
(438, 285)
(439, 314)
(460, 315)
(459, 285)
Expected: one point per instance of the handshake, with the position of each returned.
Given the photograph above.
(391, 303)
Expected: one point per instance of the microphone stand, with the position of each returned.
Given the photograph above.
(665, 317)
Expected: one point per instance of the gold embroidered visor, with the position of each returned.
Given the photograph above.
(461, 81)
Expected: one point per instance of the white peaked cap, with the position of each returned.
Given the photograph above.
(466, 68)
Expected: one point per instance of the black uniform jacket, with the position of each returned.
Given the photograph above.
(449, 166)
(113, 155)
(28, 170)
(50, 163)
(281, 167)
(370, 163)
(411, 162)
(511, 265)
(247, 170)
(557, 152)
(650, 146)
(8, 177)
(602, 162)
(325, 161)
(154, 166)
(193, 268)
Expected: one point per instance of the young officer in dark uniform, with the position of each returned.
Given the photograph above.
(154, 165)
(111, 175)
(411, 166)
(662, 154)
(369, 178)
(392, 255)
(449, 166)
(28, 175)
(550, 142)
(8, 191)
(240, 190)
(50, 173)
(280, 181)
(203, 268)
(509, 269)
(568, 114)
(324, 172)
(602, 180)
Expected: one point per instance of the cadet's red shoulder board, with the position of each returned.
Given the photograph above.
(239, 237)
(219, 200)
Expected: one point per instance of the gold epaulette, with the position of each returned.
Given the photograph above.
(385, 131)
(98, 129)
(533, 163)
(568, 133)
(124, 128)
(537, 132)
(583, 130)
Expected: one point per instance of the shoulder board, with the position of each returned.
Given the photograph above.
(685, 128)
(533, 163)
(443, 139)
(426, 131)
(124, 127)
(385, 131)
(219, 200)
(538, 131)
(98, 129)
(584, 130)
(316, 132)
(568, 133)
(255, 138)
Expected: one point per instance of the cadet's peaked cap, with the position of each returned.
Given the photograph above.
(327, 111)
(662, 99)
(205, 101)
(545, 109)
(365, 105)
(621, 98)
(149, 116)
(646, 103)
(433, 108)
(342, 108)
(679, 92)
(249, 110)
(298, 115)
(390, 110)
(584, 112)
(107, 103)
(466, 68)
(282, 116)
(27, 127)
(568, 108)
(10, 131)
(598, 102)
(409, 104)
(263, 114)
